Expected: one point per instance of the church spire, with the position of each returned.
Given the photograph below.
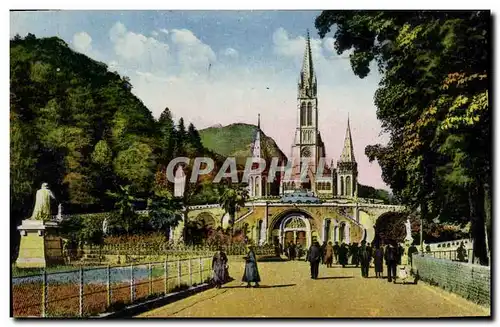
(348, 151)
(307, 84)
(256, 140)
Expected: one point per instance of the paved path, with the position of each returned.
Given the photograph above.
(287, 291)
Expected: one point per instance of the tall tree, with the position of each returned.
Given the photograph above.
(432, 101)
(231, 199)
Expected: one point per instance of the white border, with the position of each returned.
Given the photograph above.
(217, 4)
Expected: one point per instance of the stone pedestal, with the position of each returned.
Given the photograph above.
(40, 244)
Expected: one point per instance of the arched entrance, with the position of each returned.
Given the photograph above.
(292, 226)
(295, 228)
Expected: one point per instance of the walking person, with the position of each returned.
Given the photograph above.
(219, 268)
(343, 251)
(336, 248)
(291, 251)
(322, 248)
(391, 260)
(364, 259)
(328, 256)
(314, 257)
(251, 274)
(378, 261)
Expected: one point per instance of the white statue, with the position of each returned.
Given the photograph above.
(105, 226)
(42, 204)
(408, 230)
(179, 182)
(59, 212)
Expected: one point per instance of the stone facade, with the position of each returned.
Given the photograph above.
(470, 281)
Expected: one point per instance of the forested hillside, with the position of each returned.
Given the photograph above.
(77, 126)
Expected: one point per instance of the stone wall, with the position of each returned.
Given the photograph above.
(470, 281)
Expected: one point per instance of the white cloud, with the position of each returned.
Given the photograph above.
(154, 33)
(193, 55)
(230, 52)
(138, 51)
(163, 30)
(82, 42)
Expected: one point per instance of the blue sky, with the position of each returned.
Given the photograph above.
(222, 67)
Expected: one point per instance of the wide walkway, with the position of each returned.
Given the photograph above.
(287, 291)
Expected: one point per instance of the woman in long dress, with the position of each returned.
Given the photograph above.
(379, 261)
(219, 267)
(251, 274)
(328, 259)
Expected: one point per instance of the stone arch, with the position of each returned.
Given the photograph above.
(389, 226)
(280, 225)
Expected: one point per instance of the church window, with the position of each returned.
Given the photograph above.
(303, 114)
(309, 114)
(328, 186)
(342, 185)
(348, 186)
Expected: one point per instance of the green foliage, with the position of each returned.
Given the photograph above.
(135, 166)
(432, 101)
(124, 203)
(233, 197)
(164, 211)
(373, 193)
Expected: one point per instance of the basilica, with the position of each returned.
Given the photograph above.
(323, 180)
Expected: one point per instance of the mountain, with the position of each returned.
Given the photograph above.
(235, 140)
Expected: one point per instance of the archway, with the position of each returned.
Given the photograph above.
(292, 226)
(390, 227)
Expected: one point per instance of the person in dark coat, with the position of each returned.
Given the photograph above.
(364, 259)
(343, 252)
(336, 248)
(369, 249)
(219, 268)
(391, 261)
(251, 274)
(412, 250)
(400, 252)
(314, 257)
(291, 251)
(355, 254)
(378, 261)
(328, 255)
(323, 246)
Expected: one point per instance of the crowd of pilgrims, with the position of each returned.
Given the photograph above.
(359, 255)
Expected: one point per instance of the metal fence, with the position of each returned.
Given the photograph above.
(451, 255)
(89, 292)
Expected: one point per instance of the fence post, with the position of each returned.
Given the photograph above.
(150, 279)
(108, 286)
(44, 294)
(201, 270)
(166, 276)
(190, 273)
(178, 272)
(81, 291)
(131, 283)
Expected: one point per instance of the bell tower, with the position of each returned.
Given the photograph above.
(347, 168)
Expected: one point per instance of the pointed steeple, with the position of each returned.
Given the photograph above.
(348, 151)
(256, 141)
(307, 83)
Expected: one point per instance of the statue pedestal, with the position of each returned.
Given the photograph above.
(40, 244)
